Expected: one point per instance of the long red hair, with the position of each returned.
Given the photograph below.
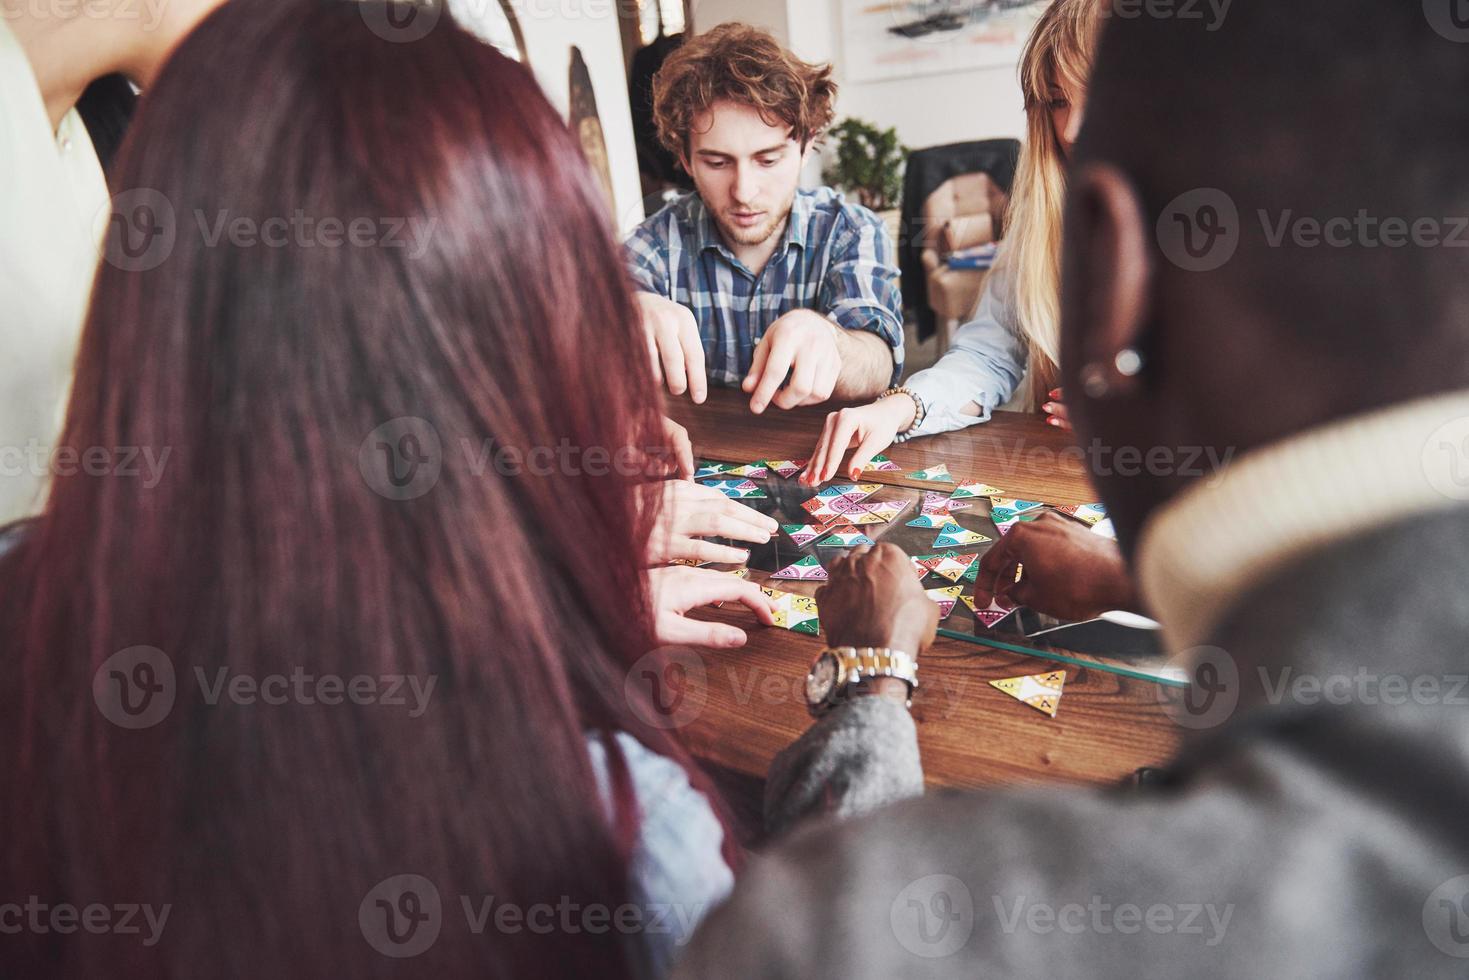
(271, 546)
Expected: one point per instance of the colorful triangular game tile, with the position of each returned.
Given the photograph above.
(1004, 526)
(918, 566)
(786, 468)
(803, 534)
(934, 474)
(757, 470)
(939, 503)
(885, 510)
(861, 517)
(934, 521)
(992, 614)
(946, 597)
(967, 491)
(1092, 514)
(880, 464)
(1007, 507)
(836, 490)
(1041, 691)
(708, 468)
(845, 536)
(797, 613)
(821, 510)
(954, 536)
(950, 565)
(808, 569)
(738, 489)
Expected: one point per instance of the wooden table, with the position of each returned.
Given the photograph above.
(970, 734)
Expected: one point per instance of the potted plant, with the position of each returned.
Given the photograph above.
(869, 163)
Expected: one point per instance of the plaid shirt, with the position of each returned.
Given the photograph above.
(837, 259)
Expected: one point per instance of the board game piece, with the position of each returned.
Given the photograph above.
(950, 565)
(737, 489)
(1004, 526)
(1004, 509)
(804, 534)
(992, 614)
(1090, 514)
(786, 468)
(938, 503)
(707, 469)
(845, 536)
(754, 471)
(880, 464)
(946, 597)
(1041, 691)
(884, 510)
(934, 474)
(953, 536)
(934, 521)
(797, 613)
(807, 569)
(967, 491)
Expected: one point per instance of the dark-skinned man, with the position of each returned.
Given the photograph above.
(1220, 290)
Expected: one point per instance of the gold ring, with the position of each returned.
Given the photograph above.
(1019, 571)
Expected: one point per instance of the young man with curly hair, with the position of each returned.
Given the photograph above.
(792, 294)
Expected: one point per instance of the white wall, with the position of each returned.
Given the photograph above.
(550, 31)
(769, 14)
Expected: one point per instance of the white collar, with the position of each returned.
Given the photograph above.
(1199, 551)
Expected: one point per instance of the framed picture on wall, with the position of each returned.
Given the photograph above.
(888, 39)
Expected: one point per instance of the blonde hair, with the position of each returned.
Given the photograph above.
(1059, 53)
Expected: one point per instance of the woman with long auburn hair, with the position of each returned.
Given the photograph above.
(347, 682)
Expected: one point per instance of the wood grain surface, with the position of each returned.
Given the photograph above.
(970, 734)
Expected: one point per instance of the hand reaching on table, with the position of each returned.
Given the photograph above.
(871, 428)
(873, 599)
(677, 590)
(1066, 571)
(674, 345)
(688, 513)
(803, 345)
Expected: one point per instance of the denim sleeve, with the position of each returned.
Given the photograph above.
(984, 366)
(678, 872)
(860, 290)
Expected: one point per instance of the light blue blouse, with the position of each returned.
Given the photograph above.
(984, 366)
(678, 873)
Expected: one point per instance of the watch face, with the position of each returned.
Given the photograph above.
(822, 679)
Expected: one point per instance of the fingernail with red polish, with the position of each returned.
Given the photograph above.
(1054, 393)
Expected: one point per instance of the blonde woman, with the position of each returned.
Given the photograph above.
(1017, 320)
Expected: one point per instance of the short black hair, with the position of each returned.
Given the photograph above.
(1303, 109)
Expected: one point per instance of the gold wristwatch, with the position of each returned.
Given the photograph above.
(837, 670)
(920, 413)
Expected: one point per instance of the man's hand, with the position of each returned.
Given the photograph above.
(674, 345)
(688, 512)
(678, 590)
(871, 428)
(681, 448)
(873, 599)
(1068, 572)
(803, 344)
